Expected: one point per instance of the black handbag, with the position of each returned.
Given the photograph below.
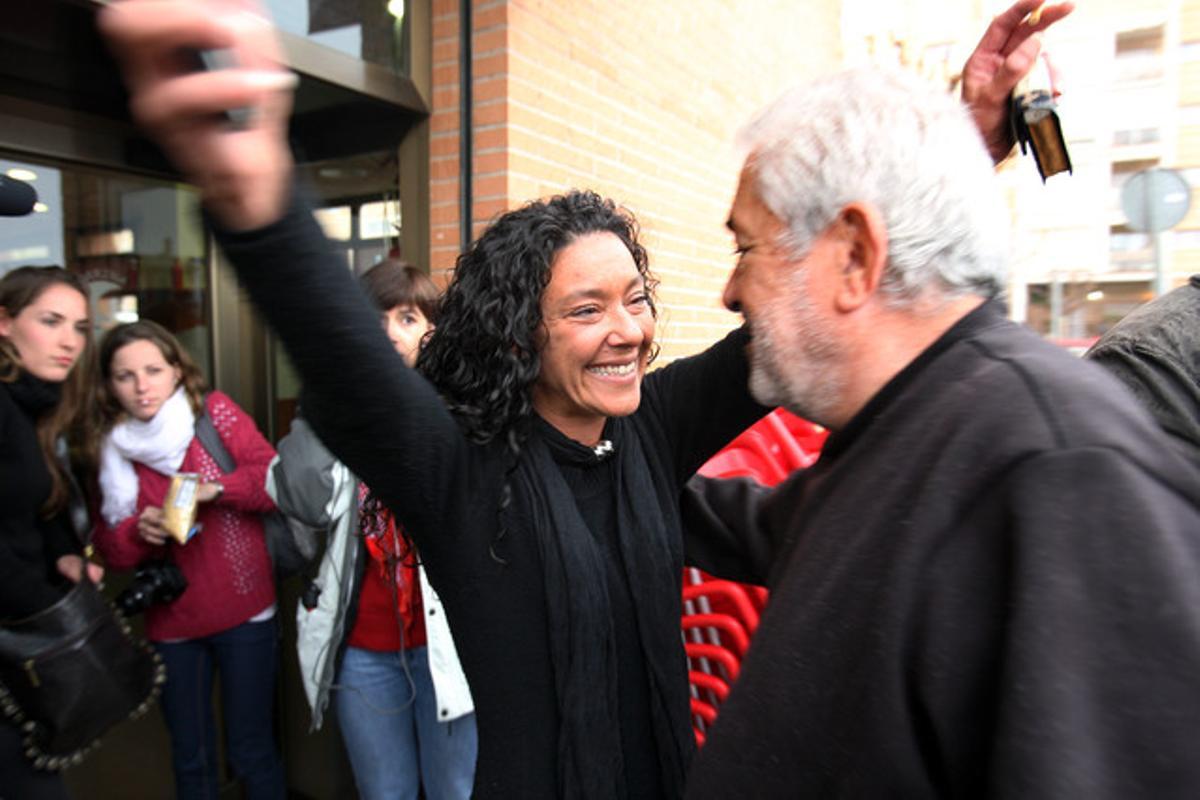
(72, 671)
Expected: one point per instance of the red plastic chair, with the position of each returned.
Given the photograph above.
(725, 597)
(702, 656)
(759, 440)
(727, 631)
(737, 462)
(758, 596)
(794, 454)
(720, 616)
(808, 436)
(704, 711)
(713, 684)
(704, 714)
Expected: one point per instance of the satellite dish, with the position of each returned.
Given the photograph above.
(1155, 200)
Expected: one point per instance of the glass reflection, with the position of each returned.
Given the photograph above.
(372, 30)
(137, 244)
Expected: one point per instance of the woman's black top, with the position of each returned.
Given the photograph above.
(389, 426)
(30, 544)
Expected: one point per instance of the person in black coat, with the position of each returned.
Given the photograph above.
(1155, 352)
(44, 380)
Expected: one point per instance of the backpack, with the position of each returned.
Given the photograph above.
(293, 547)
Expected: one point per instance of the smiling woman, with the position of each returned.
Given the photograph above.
(536, 466)
(530, 456)
(547, 291)
(599, 330)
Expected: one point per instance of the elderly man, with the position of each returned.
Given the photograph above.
(988, 584)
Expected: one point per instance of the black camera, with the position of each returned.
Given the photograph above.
(154, 583)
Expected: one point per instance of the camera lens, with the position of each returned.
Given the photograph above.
(154, 583)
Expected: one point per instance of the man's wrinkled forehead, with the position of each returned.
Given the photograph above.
(749, 213)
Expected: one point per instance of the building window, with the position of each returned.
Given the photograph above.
(1129, 249)
(369, 230)
(1126, 241)
(337, 222)
(1139, 55)
(136, 243)
(376, 31)
(379, 220)
(1187, 240)
(1136, 136)
(1076, 313)
(1122, 171)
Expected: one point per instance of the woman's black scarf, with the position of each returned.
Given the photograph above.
(582, 644)
(33, 395)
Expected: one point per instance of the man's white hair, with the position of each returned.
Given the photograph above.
(889, 139)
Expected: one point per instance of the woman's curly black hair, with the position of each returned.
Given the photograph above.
(484, 354)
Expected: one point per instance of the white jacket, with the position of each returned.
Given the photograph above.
(312, 487)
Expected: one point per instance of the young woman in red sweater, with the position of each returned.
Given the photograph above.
(151, 396)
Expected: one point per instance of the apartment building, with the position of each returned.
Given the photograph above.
(1131, 103)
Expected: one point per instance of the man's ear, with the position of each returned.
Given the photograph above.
(864, 236)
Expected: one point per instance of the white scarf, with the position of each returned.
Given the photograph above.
(160, 443)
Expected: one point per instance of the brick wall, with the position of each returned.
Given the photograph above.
(637, 100)
(444, 139)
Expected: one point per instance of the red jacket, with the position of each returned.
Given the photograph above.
(389, 599)
(226, 564)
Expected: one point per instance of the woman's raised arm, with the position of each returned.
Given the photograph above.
(384, 421)
(244, 172)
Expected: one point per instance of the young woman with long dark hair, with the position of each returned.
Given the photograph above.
(44, 391)
(151, 394)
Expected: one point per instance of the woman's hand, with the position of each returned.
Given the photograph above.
(1005, 55)
(72, 567)
(150, 526)
(243, 173)
(209, 491)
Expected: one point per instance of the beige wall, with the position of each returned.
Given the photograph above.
(640, 101)
(637, 100)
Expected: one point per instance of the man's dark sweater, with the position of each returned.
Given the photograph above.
(987, 586)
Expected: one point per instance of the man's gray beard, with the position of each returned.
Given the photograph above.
(811, 388)
(765, 387)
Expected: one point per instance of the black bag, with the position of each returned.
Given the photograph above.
(293, 548)
(72, 671)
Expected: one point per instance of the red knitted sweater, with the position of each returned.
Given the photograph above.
(226, 564)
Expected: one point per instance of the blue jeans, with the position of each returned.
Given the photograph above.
(388, 715)
(246, 656)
